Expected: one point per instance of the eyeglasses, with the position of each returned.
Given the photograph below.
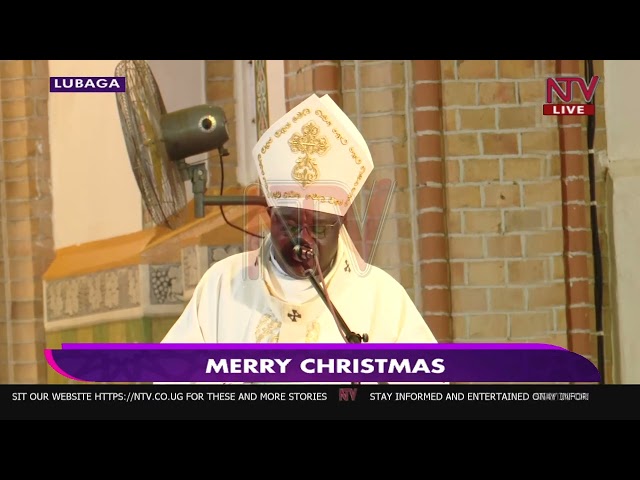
(316, 231)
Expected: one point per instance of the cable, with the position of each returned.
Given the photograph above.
(221, 210)
(332, 309)
(595, 235)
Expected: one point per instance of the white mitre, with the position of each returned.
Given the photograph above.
(313, 157)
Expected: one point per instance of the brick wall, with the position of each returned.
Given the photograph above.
(504, 204)
(304, 77)
(375, 96)
(26, 238)
(508, 212)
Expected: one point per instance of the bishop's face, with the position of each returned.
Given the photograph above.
(317, 230)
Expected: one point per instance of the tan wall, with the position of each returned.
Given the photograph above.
(623, 117)
(220, 91)
(89, 161)
(276, 89)
(89, 157)
(375, 96)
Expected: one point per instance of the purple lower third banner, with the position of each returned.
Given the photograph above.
(319, 363)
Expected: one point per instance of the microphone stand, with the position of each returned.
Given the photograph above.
(349, 335)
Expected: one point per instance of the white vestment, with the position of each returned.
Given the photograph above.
(245, 299)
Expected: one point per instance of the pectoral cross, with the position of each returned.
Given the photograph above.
(308, 143)
(294, 315)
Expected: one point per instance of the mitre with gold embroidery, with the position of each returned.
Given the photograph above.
(313, 157)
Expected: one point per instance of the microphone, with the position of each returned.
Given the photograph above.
(302, 253)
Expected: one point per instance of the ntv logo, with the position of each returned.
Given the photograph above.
(347, 394)
(566, 96)
(87, 84)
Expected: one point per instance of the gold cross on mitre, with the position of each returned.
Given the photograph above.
(306, 170)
